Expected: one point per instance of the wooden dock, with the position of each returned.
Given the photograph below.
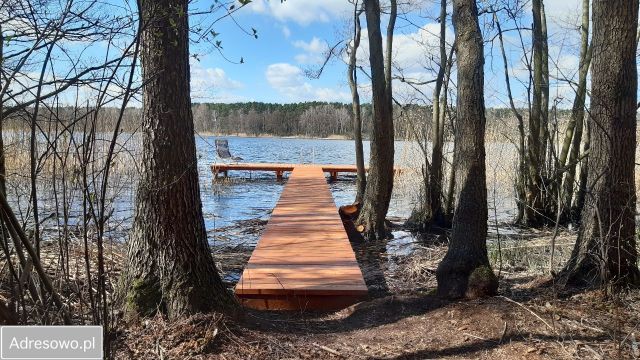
(279, 169)
(304, 260)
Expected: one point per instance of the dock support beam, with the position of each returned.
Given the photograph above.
(216, 173)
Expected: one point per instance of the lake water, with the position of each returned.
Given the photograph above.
(233, 207)
(247, 196)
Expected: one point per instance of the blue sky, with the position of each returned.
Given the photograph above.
(294, 35)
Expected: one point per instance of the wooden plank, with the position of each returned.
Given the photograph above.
(304, 259)
(279, 169)
(307, 302)
(326, 280)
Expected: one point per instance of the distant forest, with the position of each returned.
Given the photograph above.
(306, 119)
(321, 119)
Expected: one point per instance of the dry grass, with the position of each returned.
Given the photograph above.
(530, 320)
(18, 155)
(71, 281)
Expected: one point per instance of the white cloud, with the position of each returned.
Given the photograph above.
(413, 51)
(314, 51)
(315, 45)
(286, 31)
(303, 12)
(416, 57)
(289, 81)
(330, 95)
(215, 78)
(212, 84)
(560, 10)
(283, 76)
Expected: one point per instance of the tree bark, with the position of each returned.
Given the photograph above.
(465, 269)
(448, 208)
(534, 208)
(361, 182)
(393, 13)
(578, 203)
(380, 179)
(544, 105)
(573, 136)
(169, 264)
(3, 169)
(605, 251)
(437, 129)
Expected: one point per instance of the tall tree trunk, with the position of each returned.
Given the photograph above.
(444, 99)
(544, 105)
(522, 151)
(465, 269)
(581, 194)
(534, 212)
(380, 180)
(3, 170)
(393, 13)
(605, 251)
(169, 264)
(573, 136)
(437, 128)
(361, 182)
(7, 315)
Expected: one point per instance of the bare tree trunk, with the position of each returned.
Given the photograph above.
(465, 269)
(437, 129)
(573, 136)
(33, 148)
(7, 315)
(361, 182)
(544, 105)
(3, 169)
(169, 266)
(605, 251)
(581, 194)
(393, 13)
(522, 151)
(450, 194)
(534, 212)
(380, 180)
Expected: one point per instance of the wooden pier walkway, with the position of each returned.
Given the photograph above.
(304, 259)
(279, 169)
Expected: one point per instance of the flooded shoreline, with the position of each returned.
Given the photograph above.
(236, 208)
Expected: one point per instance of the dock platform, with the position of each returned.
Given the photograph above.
(279, 169)
(304, 260)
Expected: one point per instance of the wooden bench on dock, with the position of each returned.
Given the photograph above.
(304, 260)
(279, 169)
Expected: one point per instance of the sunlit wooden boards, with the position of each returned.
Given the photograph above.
(304, 260)
(279, 169)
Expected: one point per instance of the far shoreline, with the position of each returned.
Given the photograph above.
(263, 136)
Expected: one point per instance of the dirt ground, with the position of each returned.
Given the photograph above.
(528, 320)
(402, 327)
